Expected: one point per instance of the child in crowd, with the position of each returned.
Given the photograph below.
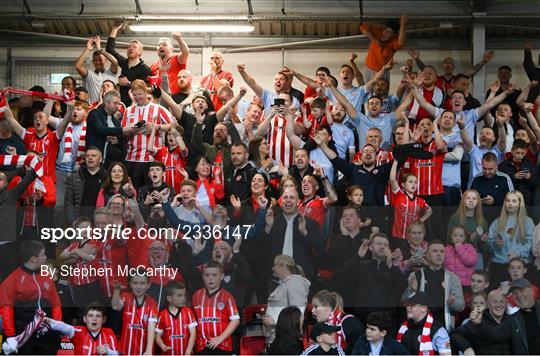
(460, 256)
(317, 118)
(324, 337)
(216, 311)
(92, 339)
(516, 270)
(377, 340)
(407, 206)
(175, 331)
(139, 316)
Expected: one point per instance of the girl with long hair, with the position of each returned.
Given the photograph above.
(510, 235)
(470, 216)
(288, 339)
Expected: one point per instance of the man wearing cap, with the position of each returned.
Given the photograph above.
(442, 286)
(420, 333)
(521, 329)
(325, 338)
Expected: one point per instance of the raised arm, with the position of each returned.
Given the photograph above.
(222, 112)
(111, 42)
(349, 108)
(403, 30)
(184, 49)
(15, 126)
(522, 98)
(61, 129)
(403, 106)
(415, 55)
(249, 80)
(380, 74)
(532, 71)
(393, 176)
(296, 141)
(114, 62)
(331, 195)
(430, 108)
(467, 141)
(306, 80)
(80, 64)
(530, 133)
(439, 142)
(357, 73)
(501, 141)
(263, 128)
(490, 104)
(485, 59)
(176, 109)
(532, 120)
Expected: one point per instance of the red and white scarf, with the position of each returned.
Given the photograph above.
(12, 344)
(20, 161)
(336, 318)
(426, 346)
(68, 144)
(437, 100)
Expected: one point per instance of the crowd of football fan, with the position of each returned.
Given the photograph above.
(341, 220)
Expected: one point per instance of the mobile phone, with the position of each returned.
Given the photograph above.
(140, 124)
(279, 101)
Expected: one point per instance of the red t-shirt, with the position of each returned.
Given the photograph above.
(46, 146)
(428, 171)
(172, 74)
(214, 312)
(137, 247)
(112, 254)
(406, 210)
(315, 125)
(207, 82)
(172, 160)
(86, 344)
(135, 320)
(175, 329)
(313, 209)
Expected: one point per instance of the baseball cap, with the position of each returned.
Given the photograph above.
(519, 284)
(323, 328)
(417, 298)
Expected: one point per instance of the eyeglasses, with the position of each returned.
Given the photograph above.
(117, 204)
(157, 249)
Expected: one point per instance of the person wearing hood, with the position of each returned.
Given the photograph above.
(292, 290)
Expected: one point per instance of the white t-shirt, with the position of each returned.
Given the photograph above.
(94, 81)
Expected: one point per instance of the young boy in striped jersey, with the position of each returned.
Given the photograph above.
(175, 331)
(139, 316)
(217, 314)
(92, 339)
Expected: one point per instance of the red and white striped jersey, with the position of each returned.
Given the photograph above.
(84, 266)
(214, 312)
(46, 146)
(137, 150)
(313, 209)
(175, 329)
(85, 343)
(135, 320)
(427, 171)
(173, 161)
(406, 210)
(281, 148)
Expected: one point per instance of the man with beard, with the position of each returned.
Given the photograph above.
(216, 78)
(442, 286)
(429, 91)
(378, 282)
(374, 137)
(236, 270)
(184, 87)
(133, 67)
(342, 135)
(301, 166)
(238, 182)
(504, 74)
(149, 195)
(381, 89)
(521, 329)
(170, 64)
(465, 339)
(105, 130)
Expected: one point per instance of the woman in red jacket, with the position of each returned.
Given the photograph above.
(209, 189)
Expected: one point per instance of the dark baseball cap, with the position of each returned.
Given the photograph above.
(519, 284)
(417, 298)
(323, 328)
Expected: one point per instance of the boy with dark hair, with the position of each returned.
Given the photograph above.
(149, 194)
(25, 292)
(521, 170)
(325, 338)
(92, 339)
(217, 314)
(176, 322)
(317, 118)
(139, 316)
(376, 342)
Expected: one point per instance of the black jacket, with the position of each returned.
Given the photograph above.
(8, 207)
(306, 249)
(466, 336)
(97, 132)
(74, 193)
(286, 346)
(389, 347)
(138, 71)
(497, 187)
(526, 187)
(512, 329)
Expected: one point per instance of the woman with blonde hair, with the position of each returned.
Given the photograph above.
(292, 290)
(328, 308)
(510, 235)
